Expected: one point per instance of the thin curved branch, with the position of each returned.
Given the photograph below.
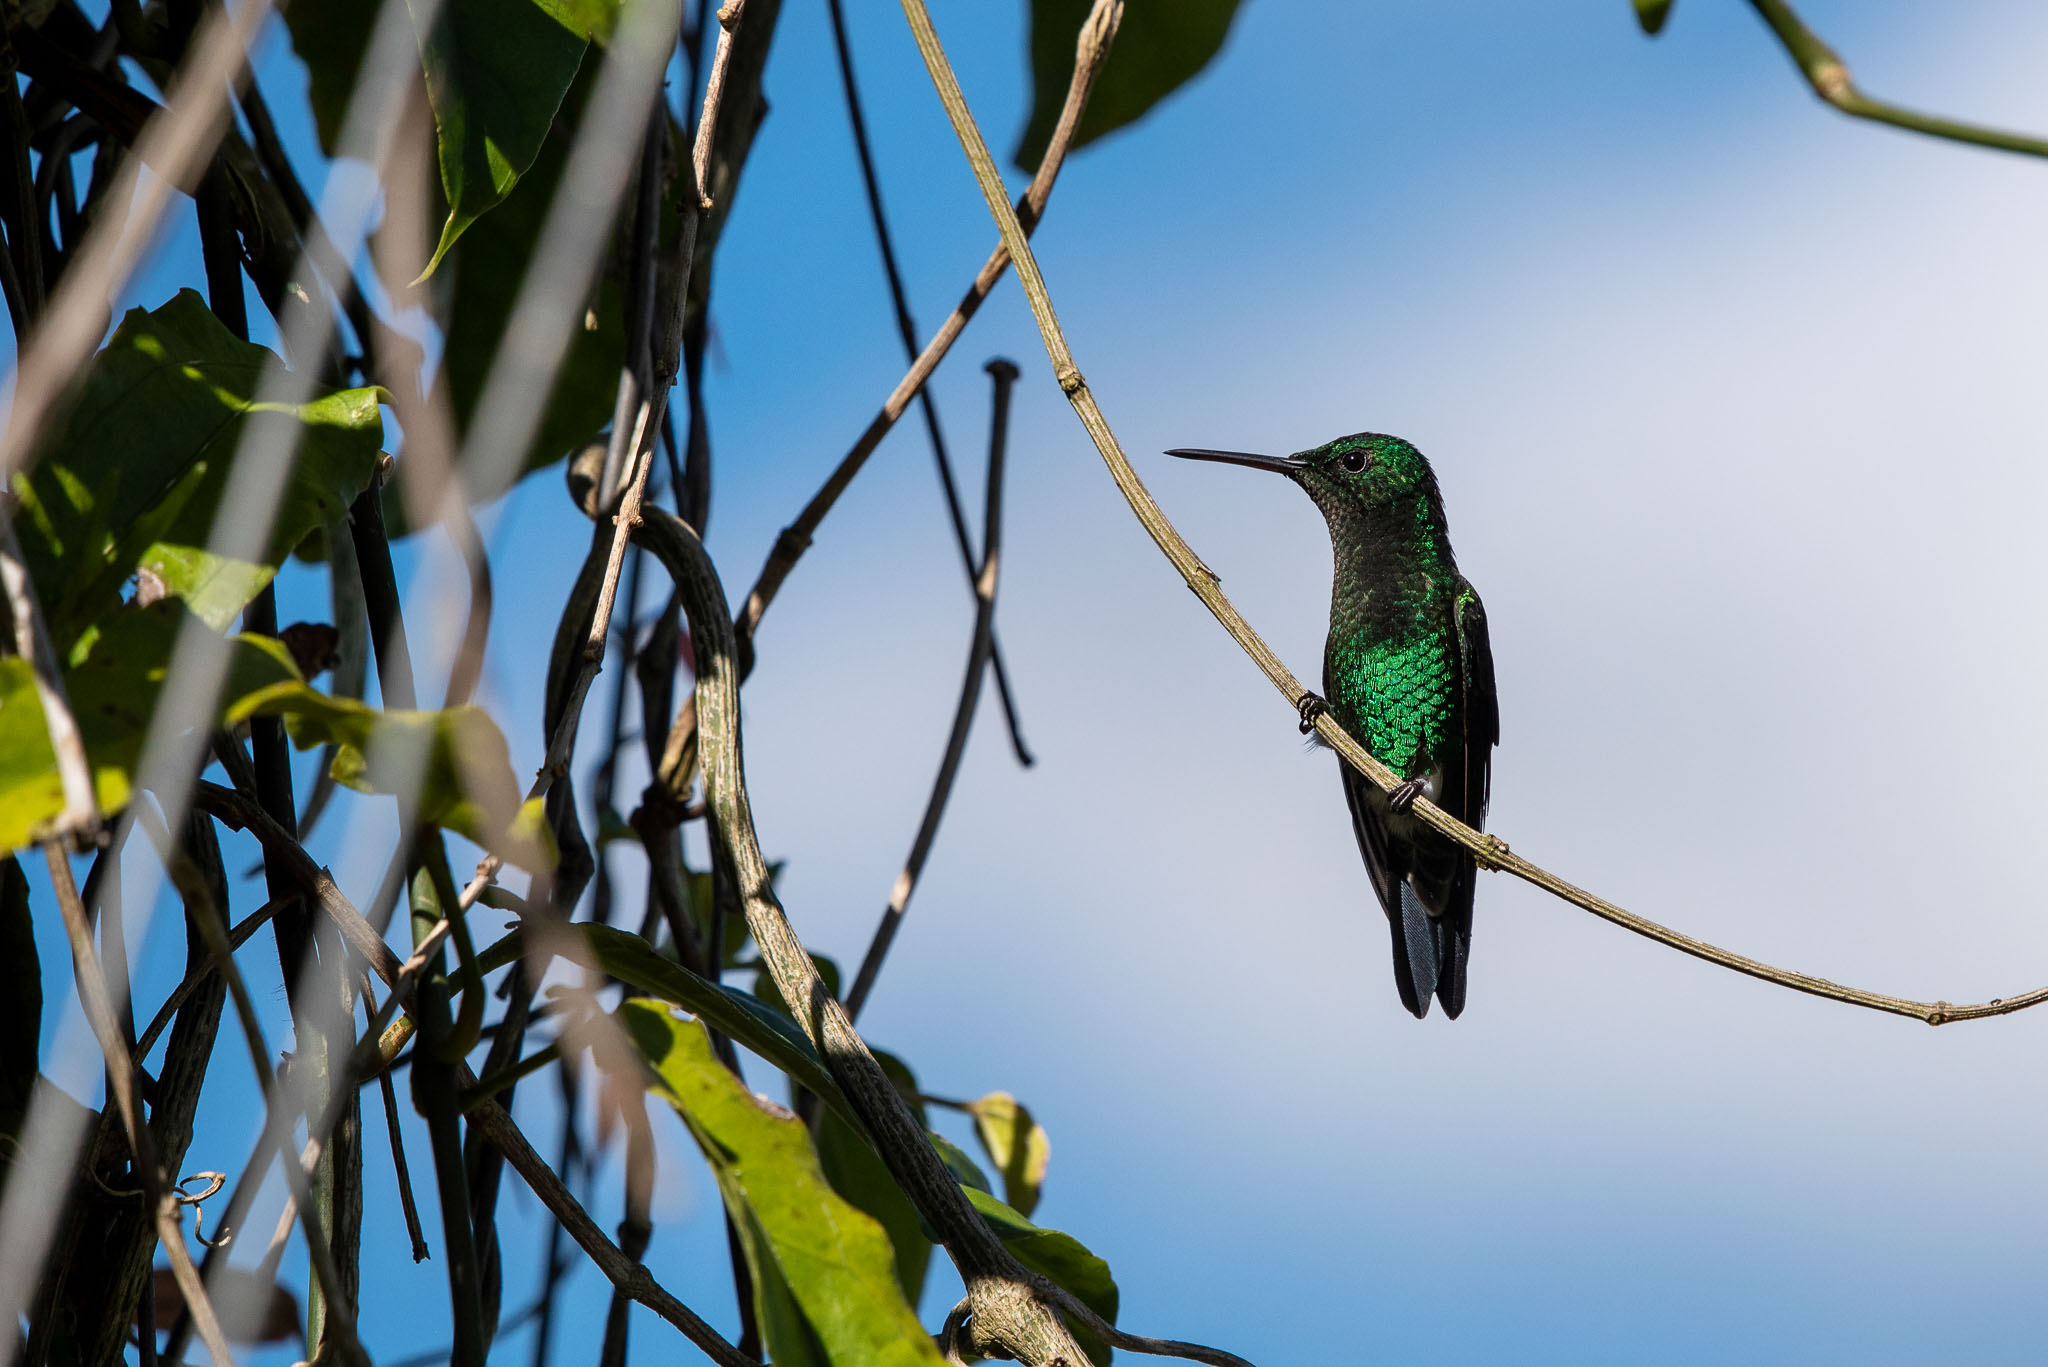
(1828, 75)
(980, 656)
(1491, 851)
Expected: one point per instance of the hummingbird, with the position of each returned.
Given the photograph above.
(1408, 674)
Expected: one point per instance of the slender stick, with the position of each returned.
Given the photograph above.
(899, 298)
(679, 755)
(1828, 75)
(979, 655)
(1490, 851)
(207, 917)
(99, 1013)
(631, 1277)
(1091, 50)
(665, 318)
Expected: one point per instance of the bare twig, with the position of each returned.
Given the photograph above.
(899, 299)
(1828, 75)
(979, 655)
(629, 1276)
(679, 756)
(208, 918)
(1091, 50)
(200, 973)
(99, 1012)
(665, 315)
(1490, 851)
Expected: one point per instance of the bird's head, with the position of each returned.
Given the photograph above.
(1361, 472)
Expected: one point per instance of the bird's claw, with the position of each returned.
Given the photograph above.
(1402, 796)
(1310, 708)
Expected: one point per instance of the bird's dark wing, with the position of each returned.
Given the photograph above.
(1466, 790)
(1415, 957)
(1481, 705)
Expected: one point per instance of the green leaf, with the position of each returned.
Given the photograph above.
(824, 1273)
(493, 255)
(1016, 1144)
(113, 683)
(133, 479)
(1059, 1257)
(1651, 14)
(21, 1004)
(496, 74)
(747, 1020)
(858, 1173)
(1160, 45)
(965, 1169)
(117, 673)
(455, 760)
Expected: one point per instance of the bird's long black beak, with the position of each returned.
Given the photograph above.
(1283, 464)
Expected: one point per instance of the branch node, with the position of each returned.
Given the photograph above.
(1069, 376)
(1493, 858)
(1832, 83)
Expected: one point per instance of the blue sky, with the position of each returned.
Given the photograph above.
(1737, 410)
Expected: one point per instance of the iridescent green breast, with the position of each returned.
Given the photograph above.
(1398, 696)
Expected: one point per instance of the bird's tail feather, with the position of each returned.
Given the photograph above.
(1415, 954)
(1453, 943)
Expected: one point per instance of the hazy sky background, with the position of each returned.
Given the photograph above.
(1737, 406)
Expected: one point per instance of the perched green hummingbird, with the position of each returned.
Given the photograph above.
(1408, 673)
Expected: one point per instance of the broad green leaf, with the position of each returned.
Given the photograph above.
(21, 1004)
(1160, 45)
(486, 265)
(134, 478)
(1016, 1144)
(116, 675)
(844, 1304)
(457, 757)
(745, 1019)
(1651, 14)
(454, 760)
(1059, 1257)
(496, 74)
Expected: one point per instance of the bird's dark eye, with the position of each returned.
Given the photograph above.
(1354, 461)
